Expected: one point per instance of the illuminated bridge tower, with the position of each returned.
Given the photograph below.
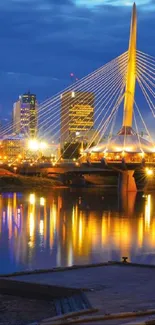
(126, 179)
(126, 142)
(131, 77)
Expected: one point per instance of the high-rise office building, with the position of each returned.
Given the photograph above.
(77, 115)
(25, 112)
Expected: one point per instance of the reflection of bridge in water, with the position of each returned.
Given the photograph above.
(41, 231)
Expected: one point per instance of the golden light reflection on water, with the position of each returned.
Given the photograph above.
(55, 229)
(147, 212)
(140, 232)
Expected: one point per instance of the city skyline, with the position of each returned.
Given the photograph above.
(55, 52)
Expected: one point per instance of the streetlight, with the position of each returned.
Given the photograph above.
(15, 169)
(149, 172)
(33, 145)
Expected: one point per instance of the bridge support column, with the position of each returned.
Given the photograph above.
(126, 182)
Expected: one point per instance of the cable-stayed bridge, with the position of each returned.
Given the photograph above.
(116, 88)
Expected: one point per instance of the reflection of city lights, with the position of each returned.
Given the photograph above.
(73, 216)
(63, 233)
(148, 211)
(32, 199)
(41, 227)
(31, 224)
(140, 232)
(54, 212)
(80, 231)
(104, 230)
(125, 236)
(42, 201)
(3, 216)
(52, 227)
(70, 255)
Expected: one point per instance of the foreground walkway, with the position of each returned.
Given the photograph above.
(112, 288)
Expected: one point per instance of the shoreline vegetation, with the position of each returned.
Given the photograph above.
(19, 182)
(11, 181)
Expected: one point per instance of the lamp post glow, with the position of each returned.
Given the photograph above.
(149, 172)
(15, 169)
(33, 145)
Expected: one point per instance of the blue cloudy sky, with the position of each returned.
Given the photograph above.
(42, 41)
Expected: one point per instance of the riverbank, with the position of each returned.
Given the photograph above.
(111, 288)
(18, 182)
(15, 182)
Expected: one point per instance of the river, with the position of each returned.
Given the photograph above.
(63, 227)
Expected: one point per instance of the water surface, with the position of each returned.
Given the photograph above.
(74, 226)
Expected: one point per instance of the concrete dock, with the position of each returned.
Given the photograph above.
(112, 288)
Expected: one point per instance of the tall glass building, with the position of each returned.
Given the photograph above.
(25, 112)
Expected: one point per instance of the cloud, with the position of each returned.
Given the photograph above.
(42, 40)
(94, 3)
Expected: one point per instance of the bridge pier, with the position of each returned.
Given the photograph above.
(126, 181)
(126, 202)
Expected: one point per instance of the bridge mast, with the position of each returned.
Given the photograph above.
(131, 73)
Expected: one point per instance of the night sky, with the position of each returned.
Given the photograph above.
(42, 41)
